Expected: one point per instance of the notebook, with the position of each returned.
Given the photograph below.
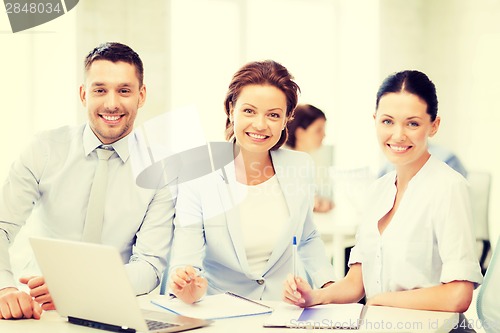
(89, 285)
(220, 306)
(332, 316)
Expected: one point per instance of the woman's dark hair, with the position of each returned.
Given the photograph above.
(303, 116)
(115, 52)
(267, 72)
(413, 82)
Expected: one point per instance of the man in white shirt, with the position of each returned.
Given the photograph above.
(52, 180)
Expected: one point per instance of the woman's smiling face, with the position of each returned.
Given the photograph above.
(259, 116)
(403, 126)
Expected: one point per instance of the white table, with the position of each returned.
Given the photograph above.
(338, 227)
(376, 319)
(338, 231)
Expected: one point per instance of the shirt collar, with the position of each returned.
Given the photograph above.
(91, 142)
(424, 170)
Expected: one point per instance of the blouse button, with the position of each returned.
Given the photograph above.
(261, 281)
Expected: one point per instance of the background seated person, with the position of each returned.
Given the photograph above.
(306, 131)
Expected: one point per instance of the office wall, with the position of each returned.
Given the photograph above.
(356, 81)
(38, 83)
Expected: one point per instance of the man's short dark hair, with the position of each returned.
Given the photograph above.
(116, 52)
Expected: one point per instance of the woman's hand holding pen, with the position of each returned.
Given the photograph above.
(298, 292)
(187, 284)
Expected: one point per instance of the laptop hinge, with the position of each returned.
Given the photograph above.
(101, 326)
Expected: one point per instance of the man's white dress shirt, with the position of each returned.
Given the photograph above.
(50, 183)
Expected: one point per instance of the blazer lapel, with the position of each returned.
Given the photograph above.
(292, 188)
(227, 191)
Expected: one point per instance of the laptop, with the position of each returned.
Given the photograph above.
(89, 285)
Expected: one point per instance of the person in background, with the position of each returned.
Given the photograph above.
(306, 131)
(234, 227)
(52, 180)
(415, 247)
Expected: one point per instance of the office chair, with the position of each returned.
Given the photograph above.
(480, 184)
(488, 300)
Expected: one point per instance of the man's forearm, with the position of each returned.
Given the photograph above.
(143, 276)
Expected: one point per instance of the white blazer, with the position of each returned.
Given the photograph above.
(208, 232)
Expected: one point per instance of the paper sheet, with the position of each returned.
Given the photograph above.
(320, 316)
(213, 307)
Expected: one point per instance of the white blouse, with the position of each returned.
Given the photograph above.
(263, 216)
(430, 239)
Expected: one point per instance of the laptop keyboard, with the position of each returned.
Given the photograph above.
(154, 325)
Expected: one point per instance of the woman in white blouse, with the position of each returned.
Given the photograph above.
(415, 247)
(236, 224)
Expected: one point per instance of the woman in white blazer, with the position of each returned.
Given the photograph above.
(234, 227)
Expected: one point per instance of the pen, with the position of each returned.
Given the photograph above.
(294, 255)
(246, 299)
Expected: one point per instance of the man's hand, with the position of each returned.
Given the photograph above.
(39, 291)
(15, 304)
